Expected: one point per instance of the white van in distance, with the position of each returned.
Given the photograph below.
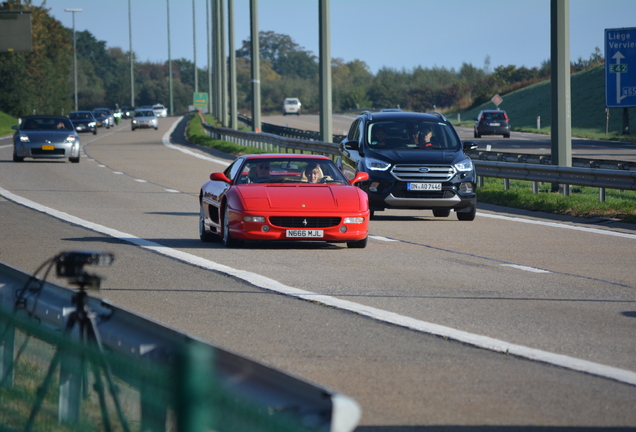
(291, 106)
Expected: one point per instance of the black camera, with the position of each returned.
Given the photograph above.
(71, 265)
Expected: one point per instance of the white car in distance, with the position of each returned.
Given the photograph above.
(291, 106)
(160, 110)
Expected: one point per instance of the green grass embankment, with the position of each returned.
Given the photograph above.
(582, 202)
(588, 108)
(6, 121)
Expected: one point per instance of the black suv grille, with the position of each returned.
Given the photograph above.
(304, 222)
(427, 173)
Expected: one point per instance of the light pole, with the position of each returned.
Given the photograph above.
(74, 54)
(132, 58)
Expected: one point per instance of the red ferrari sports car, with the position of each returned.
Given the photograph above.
(283, 197)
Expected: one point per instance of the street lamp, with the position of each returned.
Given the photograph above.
(74, 54)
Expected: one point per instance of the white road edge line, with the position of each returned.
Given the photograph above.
(263, 282)
(558, 225)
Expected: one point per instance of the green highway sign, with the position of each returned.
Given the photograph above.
(200, 100)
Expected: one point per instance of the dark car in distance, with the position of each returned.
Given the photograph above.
(83, 121)
(492, 122)
(104, 117)
(414, 161)
(127, 112)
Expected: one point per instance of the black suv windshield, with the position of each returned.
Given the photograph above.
(411, 135)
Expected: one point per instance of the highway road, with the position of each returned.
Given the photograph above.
(516, 319)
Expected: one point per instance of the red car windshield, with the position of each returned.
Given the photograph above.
(290, 170)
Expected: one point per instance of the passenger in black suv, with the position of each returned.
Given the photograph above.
(407, 174)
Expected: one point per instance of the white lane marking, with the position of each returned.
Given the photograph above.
(141, 180)
(382, 238)
(5, 146)
(263, 282)
(172, 191)
(558, 225)
(117, 172)
(526, 268)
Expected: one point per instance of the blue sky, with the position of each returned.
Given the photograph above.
(398, 34)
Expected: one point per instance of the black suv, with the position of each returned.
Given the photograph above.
(414, 161)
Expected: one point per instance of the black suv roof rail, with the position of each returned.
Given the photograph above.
(366, 113)
(440, 115)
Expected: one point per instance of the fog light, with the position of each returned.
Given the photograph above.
(265, 228)
(354, 220)
(373, 187)
(343, 229)
(259, 219)
(466, 187)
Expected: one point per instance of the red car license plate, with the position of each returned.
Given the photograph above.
(305, 233)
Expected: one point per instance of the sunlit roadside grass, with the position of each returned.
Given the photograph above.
(195, 132)
(6, 121)
(582, 202)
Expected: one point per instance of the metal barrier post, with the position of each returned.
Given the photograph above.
(72, 382)
(195, 389)
(154, 407)
(601, 195)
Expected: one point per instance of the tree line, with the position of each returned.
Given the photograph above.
(42, 81)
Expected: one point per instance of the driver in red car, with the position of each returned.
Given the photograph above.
(260, 172)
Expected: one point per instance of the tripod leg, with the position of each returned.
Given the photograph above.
(99, 388)
(94, 333)
(41, 393)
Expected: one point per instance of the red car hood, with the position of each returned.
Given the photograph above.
(299, 197)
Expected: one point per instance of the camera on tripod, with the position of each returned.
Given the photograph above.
(70, 265)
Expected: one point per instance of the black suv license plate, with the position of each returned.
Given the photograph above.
(424, 186)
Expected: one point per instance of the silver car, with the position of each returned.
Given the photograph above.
(45, 137)
(144, 118)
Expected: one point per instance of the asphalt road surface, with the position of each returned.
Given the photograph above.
(516, 320)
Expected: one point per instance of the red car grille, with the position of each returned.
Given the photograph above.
(304, 221)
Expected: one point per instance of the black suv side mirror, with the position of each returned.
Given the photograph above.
(351, 145)
(469, 146)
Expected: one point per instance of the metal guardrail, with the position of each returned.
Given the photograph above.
(591, 177)
(539, 159)
(270, 142)
(125, 334)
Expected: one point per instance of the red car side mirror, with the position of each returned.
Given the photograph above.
(219, 176)
(361, 176)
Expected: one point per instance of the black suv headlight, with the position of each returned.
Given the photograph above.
(376, 164)
(465, 165)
